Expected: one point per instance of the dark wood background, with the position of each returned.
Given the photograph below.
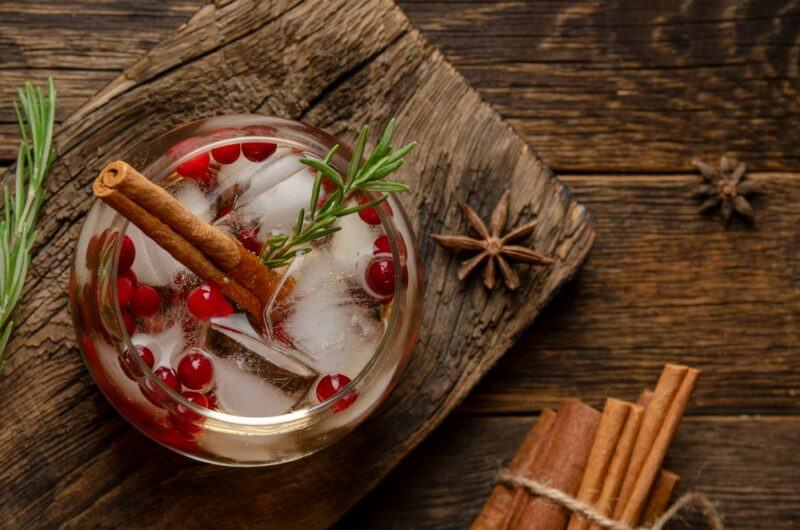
(617, 97)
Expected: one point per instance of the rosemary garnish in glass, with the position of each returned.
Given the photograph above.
(318, 221)
(21, 208)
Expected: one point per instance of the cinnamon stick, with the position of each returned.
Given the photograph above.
(606, 500)
(660, 496)
(494, 511)
(612, 424)
(654, 414)
(560, 462)
(644, 398)
(207, 252)
(658, 450)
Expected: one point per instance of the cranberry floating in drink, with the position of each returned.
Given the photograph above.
(250, 293)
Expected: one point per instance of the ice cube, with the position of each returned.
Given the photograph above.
(245, 394)
(167, 346)
(354, 240)
(276, 209)
(328, 323)
(153, 265)
(285, 369)
(277, 168)
(194, 200)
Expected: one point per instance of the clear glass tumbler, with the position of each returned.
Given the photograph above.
(136, 333)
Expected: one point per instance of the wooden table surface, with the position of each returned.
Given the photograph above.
(618, 98)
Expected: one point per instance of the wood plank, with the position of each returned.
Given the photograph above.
(622, 87)
(632, 86)
(287, 58)
(665, 283)
(747, 465)
(83, 44)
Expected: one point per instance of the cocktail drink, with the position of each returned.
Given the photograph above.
(216, 365)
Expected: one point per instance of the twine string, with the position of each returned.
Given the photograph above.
(690, 499)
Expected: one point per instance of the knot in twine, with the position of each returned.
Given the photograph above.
(591, 514)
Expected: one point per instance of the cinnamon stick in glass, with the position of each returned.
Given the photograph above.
(210, 254)
(560, 463)
(664, 487)
(612, 424)
(497, 507)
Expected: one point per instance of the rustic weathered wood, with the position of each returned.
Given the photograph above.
(592, 84)
(289, 58)
(632, 86)
(442, 485)
(566, 62)
(664, 283)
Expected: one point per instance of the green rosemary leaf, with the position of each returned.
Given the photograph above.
(384, 144)
(358, 151)
(386, 169)
(35, 113)
(280, 250)
(312, 209)
(359, 207)
(403, 151)
(300, 218)
(386, 186)
(326, 170)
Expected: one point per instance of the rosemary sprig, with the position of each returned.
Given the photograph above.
(318, 220)
(35, 115)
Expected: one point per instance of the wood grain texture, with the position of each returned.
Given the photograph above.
(632, 86)
(594, 85)
(443, 484)
(83, 44)
(287, 58)
(643, 87)
(666, 284)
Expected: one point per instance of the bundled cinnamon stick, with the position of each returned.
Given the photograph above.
(611, 462)
(209, 253)
(560, 461)
(499, 504)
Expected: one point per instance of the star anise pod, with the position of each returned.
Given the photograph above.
(725, 187)
(492, 247)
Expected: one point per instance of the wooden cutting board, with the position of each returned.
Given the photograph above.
(69, 459)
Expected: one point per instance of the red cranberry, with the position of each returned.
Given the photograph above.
(247, 237)
(227, 154)
(224, 211)
(127, 253)
(212, 399)
(145, 301)
(168, 376)
(207, 301)
(92, 252)
(155, 395)
(329, 385)
(131, 276)
(258, 151)
(127, 363)
(193, 397)
(196, 168)
(195, 371)
(130, 322)
(370, 215)
(328, 184)
(124, 290)
(380, 276)
(381, 245)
